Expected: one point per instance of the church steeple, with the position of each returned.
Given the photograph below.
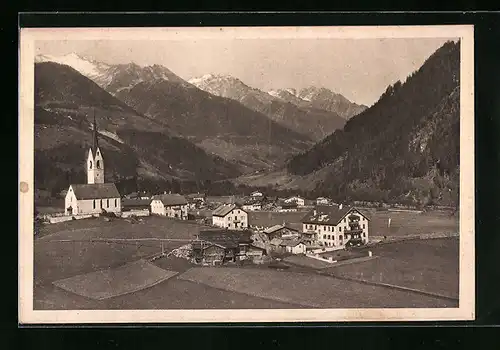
(95, 141)
(95, 161)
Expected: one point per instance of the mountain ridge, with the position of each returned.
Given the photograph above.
(309, 120)
(219, 125)
(135, 145)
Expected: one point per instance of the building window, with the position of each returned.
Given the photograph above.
(116, 202)
(107, 203)
(98, 163)
(340, 237)
(363, 225)
(329, 237)
(94, 203)
(102, 203)
(324, 236)
(90, 165)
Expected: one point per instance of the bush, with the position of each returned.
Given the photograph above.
(110, 214)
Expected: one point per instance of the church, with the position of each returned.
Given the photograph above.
(96, 196)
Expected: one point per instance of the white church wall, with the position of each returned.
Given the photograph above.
(70, 201)
(96, 206)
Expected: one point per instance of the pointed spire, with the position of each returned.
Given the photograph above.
(95, 143)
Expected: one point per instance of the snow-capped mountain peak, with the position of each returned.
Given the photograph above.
(112, 78)
(83, 65)
(274, 93)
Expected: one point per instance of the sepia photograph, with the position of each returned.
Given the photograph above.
(250, 174)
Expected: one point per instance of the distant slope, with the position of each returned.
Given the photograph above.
(134, 146)
(308, 120)
(219, 125)
(404, 148)
(330, 101)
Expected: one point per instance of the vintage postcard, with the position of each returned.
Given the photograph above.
(246, 174)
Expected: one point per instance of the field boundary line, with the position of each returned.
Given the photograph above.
(149, 285)
(391, 286)
(122, 240)
(139, 288)
(302, 305)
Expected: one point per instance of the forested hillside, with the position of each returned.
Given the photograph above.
(405, 147)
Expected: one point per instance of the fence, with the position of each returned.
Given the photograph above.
(325, 249)
(62, 218)
(129, 213)
(317, 257)
(393, 239)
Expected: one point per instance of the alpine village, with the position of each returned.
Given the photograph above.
(202, 187)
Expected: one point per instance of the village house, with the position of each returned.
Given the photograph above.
(257, 194)
(294, 246)
(220, 200)
(281, 231)
(231, 217)
(288, 245)
(287, 207)
(195, 200)
(260, 240)
(218, 247)
(131, 195)
(136, 204)
(322, 201)
(96, 196)
(138, 195)
(252, 204)
(334, 226)
(170, 205)
(296, 199)
(143, 195)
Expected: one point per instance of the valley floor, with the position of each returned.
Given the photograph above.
(67, 255)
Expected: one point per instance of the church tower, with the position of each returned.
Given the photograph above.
(95, 163)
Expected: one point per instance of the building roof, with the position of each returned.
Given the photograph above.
(225, 209)
(273, 228)
(259, 236)
(170, 199)
(193, 196)
(226, 238)
(252, 200)
(329, 215)
(136, 202)
(95, 191)
(221, 199)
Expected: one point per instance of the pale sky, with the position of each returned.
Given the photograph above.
(359, 69)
